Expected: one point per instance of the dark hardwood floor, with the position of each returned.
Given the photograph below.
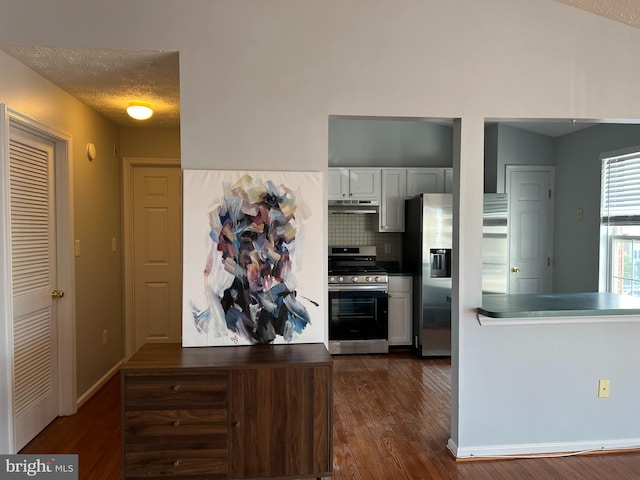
(391, 421)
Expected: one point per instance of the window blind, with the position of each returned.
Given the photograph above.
(620, 196)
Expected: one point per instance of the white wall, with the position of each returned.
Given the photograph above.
(576, 158)
(96, 213)
(578, 166)
(519, 147)
(359, 142)
(96, 188)
(259, 80)
(506, 145)
(149, 142)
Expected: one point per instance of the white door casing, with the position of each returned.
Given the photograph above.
(530, 190)
(21, 254)
(153, 251)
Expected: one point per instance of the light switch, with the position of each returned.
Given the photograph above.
(114, 245)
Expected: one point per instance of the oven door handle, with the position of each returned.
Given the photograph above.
(359, 288)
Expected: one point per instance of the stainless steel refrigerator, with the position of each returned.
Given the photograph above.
(427, 256)
(495, 243)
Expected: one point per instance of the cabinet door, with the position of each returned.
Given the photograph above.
(424, 180)
(394, 190)
(364, 183)
(338, 183)
(400, 317)
(280, 422)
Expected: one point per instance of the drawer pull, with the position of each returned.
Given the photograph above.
(175, 388)
(176, 423)
(176, 463)
(235, 424)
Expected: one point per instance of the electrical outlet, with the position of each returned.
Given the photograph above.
(603, 388)
(77, 248)
(114, 245)
(105, 338)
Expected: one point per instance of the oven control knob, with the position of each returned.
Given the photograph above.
(340, 279)
(332, 279)
(354, 279)
(378, 279)
(369, 279)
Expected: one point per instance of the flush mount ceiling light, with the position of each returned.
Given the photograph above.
(139, 110)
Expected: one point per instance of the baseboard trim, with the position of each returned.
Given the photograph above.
(541, 450)
(99, 384)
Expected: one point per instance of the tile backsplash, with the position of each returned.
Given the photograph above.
(362, 229)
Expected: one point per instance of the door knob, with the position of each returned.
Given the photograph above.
(515, 270)
(57, 294)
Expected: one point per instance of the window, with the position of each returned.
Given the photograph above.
(620, 223)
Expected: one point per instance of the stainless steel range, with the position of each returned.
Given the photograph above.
(358, 301)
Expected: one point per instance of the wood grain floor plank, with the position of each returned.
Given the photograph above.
(391, 422)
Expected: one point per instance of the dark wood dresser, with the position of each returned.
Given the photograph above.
(259, 411)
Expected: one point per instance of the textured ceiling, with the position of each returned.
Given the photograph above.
(107, 80)
(625, 11)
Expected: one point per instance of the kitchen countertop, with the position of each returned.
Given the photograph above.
(527, 306)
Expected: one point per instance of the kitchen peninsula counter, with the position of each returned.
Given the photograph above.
(522, 309)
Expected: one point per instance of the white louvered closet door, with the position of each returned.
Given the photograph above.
(33, 250)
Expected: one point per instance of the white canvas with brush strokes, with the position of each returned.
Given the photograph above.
(253, 258)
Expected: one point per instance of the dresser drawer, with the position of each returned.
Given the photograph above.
(179, 391)
(210, 463)
(142, 424)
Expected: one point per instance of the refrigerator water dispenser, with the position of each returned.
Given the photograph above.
(440, 262)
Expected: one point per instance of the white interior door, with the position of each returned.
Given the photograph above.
(33, 273)
(157, 252)
(530, 241)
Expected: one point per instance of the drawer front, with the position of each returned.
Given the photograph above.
(180, 390)
(143, 424)
(204, 463)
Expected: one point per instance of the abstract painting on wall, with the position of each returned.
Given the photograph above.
(253, 258)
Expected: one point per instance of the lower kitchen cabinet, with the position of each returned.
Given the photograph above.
(227, 412)
(400, 312)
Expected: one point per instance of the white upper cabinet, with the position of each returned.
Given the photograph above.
(394, 191)
(390, 186)
(424, 180)
(338, 183)
(448, 180)
(364, 183)
(353, 183)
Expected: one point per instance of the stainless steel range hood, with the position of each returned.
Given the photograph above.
(353, 206)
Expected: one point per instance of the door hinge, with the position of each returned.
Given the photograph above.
(548, 261)
(549, 193)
